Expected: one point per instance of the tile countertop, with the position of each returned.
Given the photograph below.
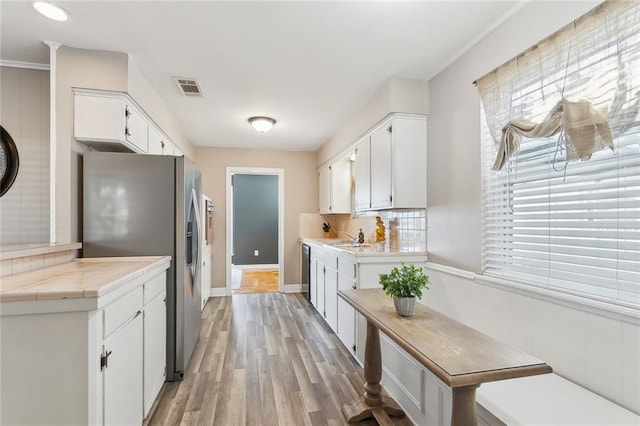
(80, 278)
(367, 251)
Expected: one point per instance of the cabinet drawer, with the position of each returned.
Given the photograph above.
(122, 310)
(154, 287)
(329, 258)
(347, 268)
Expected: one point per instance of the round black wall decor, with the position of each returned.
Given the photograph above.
(8, 161)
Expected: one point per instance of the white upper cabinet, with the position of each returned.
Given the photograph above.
(157, 143)
(335, 187)
(324, 189)
(109, 121)
(363, 174)
(381, 190)
(391, 165)
(112, 121)
(136, 130)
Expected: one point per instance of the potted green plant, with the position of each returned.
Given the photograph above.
(404, 284)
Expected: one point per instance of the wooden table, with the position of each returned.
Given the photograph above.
(460, 356)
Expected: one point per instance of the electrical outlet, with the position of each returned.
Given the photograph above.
(256, 253)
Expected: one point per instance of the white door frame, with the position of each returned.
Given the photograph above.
(229, 199)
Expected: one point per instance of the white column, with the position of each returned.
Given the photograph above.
(53, 47)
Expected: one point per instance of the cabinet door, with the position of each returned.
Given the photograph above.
(341, 186)
(381, 167)
(346, 315)
(324, 189)
(363, 176)
(123, 376)
(155, 347)
(320, 293)
(331, 297)
(409, 142)
(136, 128)
(97, 118)
(313, 282)
(156, 142)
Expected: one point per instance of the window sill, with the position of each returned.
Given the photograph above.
(610, 310)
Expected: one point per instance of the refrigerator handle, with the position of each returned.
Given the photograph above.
(189, 244)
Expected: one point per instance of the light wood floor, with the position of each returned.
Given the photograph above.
(258, 281)
(263, 359)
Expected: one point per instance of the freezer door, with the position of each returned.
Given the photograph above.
(188, 313)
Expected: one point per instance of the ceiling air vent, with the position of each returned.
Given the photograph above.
(188, 86)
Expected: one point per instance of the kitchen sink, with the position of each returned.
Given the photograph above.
(349, 244)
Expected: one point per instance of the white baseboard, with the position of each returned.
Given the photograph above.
(265, 266)
(293, 288)
(218, 292)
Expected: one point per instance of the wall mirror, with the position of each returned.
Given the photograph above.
(9, 162)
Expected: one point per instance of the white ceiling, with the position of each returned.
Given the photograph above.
(309, 65)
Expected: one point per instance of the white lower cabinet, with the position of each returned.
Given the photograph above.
(332, 270)
(97, 361)
(155, 340)
(313, 281)
(325, 289)
(331, 296)
(346, 314)
(320, 288)
(122, 375)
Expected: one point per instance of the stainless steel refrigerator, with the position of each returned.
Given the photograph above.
(147, 205)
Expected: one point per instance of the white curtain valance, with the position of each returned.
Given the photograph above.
(583, 82)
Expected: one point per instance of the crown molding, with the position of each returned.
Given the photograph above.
(28, 65)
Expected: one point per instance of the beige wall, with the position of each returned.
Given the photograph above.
(77, 68)
(300, 196)
(395, 95)
(101, 70)
(24, 107)
(139, 88)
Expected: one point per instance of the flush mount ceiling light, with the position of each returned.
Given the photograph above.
(262, 124)
(51, 11)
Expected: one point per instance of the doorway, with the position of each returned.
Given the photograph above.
(255, 233)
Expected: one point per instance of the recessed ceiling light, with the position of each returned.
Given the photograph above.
(52, 11)
(262, 124)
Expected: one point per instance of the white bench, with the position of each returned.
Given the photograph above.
(547, 399)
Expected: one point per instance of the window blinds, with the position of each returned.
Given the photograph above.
(572, 226)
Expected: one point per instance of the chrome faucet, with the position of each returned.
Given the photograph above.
(352, 238)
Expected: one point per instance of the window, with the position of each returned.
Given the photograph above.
(551, 219)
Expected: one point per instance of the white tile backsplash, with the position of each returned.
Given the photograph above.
(412, 229)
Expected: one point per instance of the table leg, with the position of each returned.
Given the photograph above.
(463, 410)
(362, 407)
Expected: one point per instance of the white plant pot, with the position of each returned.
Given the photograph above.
(404, 305)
